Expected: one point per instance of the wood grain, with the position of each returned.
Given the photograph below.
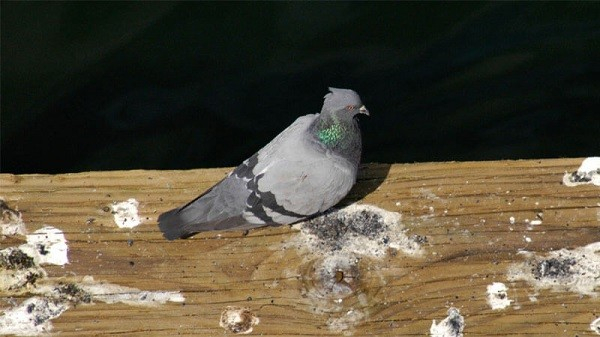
(462, 211)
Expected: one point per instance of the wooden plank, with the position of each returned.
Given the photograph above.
(473, 221)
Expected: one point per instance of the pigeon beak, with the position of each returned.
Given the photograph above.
(363, 110)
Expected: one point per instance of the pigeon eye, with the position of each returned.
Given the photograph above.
(350, 107)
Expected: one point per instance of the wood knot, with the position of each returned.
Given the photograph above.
(238, 320)
(332, 277)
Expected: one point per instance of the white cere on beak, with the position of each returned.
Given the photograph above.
(363, 110)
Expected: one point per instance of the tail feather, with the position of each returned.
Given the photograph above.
(173, 225)
(170, 225)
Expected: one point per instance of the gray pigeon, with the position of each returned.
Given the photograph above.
(305, 170)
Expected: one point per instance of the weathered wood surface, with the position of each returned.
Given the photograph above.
(463, 210)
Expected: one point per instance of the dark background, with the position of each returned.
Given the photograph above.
(102, 86)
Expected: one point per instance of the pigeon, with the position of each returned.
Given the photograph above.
(302, 172)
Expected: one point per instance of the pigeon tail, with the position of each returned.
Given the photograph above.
(173, 225)
(170, 225)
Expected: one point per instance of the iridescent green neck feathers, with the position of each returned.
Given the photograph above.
(331, 135)
(336, 132)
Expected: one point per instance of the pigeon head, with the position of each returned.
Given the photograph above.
(337, 126)
(343, 102)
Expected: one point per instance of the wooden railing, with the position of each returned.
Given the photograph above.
(475, 227)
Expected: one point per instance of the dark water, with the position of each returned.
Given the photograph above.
(99, 86)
